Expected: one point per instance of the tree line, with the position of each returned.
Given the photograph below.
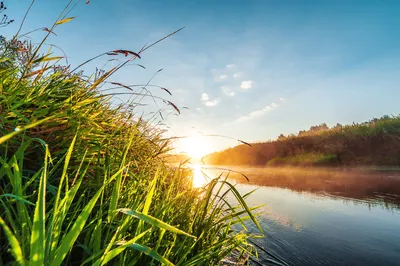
(374, 142)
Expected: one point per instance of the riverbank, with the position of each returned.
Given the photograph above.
(372, 143)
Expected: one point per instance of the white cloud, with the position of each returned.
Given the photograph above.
(246, 84)
(205, 97)
(282, 99)
(258, 113)
(212, 103)
(230, 65)
(222, 76)
(237, 75)
(227, 91)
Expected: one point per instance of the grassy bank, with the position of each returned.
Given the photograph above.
(83, 182)
(372, 143)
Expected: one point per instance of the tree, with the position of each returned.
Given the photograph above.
(281, 137)
(318, 128)
(302, 133)
(338, 126)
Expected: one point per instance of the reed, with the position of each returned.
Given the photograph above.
(83, 181)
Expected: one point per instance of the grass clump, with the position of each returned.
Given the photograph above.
(83, 182)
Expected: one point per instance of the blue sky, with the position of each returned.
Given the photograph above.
(246, 69)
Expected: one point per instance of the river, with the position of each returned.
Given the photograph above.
(324, 217)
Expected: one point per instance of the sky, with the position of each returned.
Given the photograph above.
(249, 70)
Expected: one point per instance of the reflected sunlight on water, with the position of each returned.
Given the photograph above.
(199, 179)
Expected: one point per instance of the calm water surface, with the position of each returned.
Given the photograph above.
(317, 228)
(308, 229)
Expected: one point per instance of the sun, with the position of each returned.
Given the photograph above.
(196, 146)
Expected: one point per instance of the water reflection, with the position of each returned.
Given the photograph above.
(361, 187)
(305, 228)
(199, 179)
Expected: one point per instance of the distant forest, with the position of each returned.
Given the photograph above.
(372, 143)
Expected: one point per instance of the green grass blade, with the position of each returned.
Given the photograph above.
(38, 229)
(16, 250)
(210, 251)
(58, 213)
(244, 205)
(65, 205)
(17, 198)
(115, 252)
(237, 214)
(154, 221)
(70, 238)
(22, 129)
(148, 251)
(117, 185)
(148, 200)
(150, 195)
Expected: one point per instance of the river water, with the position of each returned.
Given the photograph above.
(352, 219)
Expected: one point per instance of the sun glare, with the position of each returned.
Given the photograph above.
(196, 146)
(199, 179)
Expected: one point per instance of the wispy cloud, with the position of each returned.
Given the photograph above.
(205, 98)
(257, 113)
(219, 74)
(237, 75)
(227, 91)
(246, 84)
(282, 99)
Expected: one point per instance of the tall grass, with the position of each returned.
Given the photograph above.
(83, 182)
